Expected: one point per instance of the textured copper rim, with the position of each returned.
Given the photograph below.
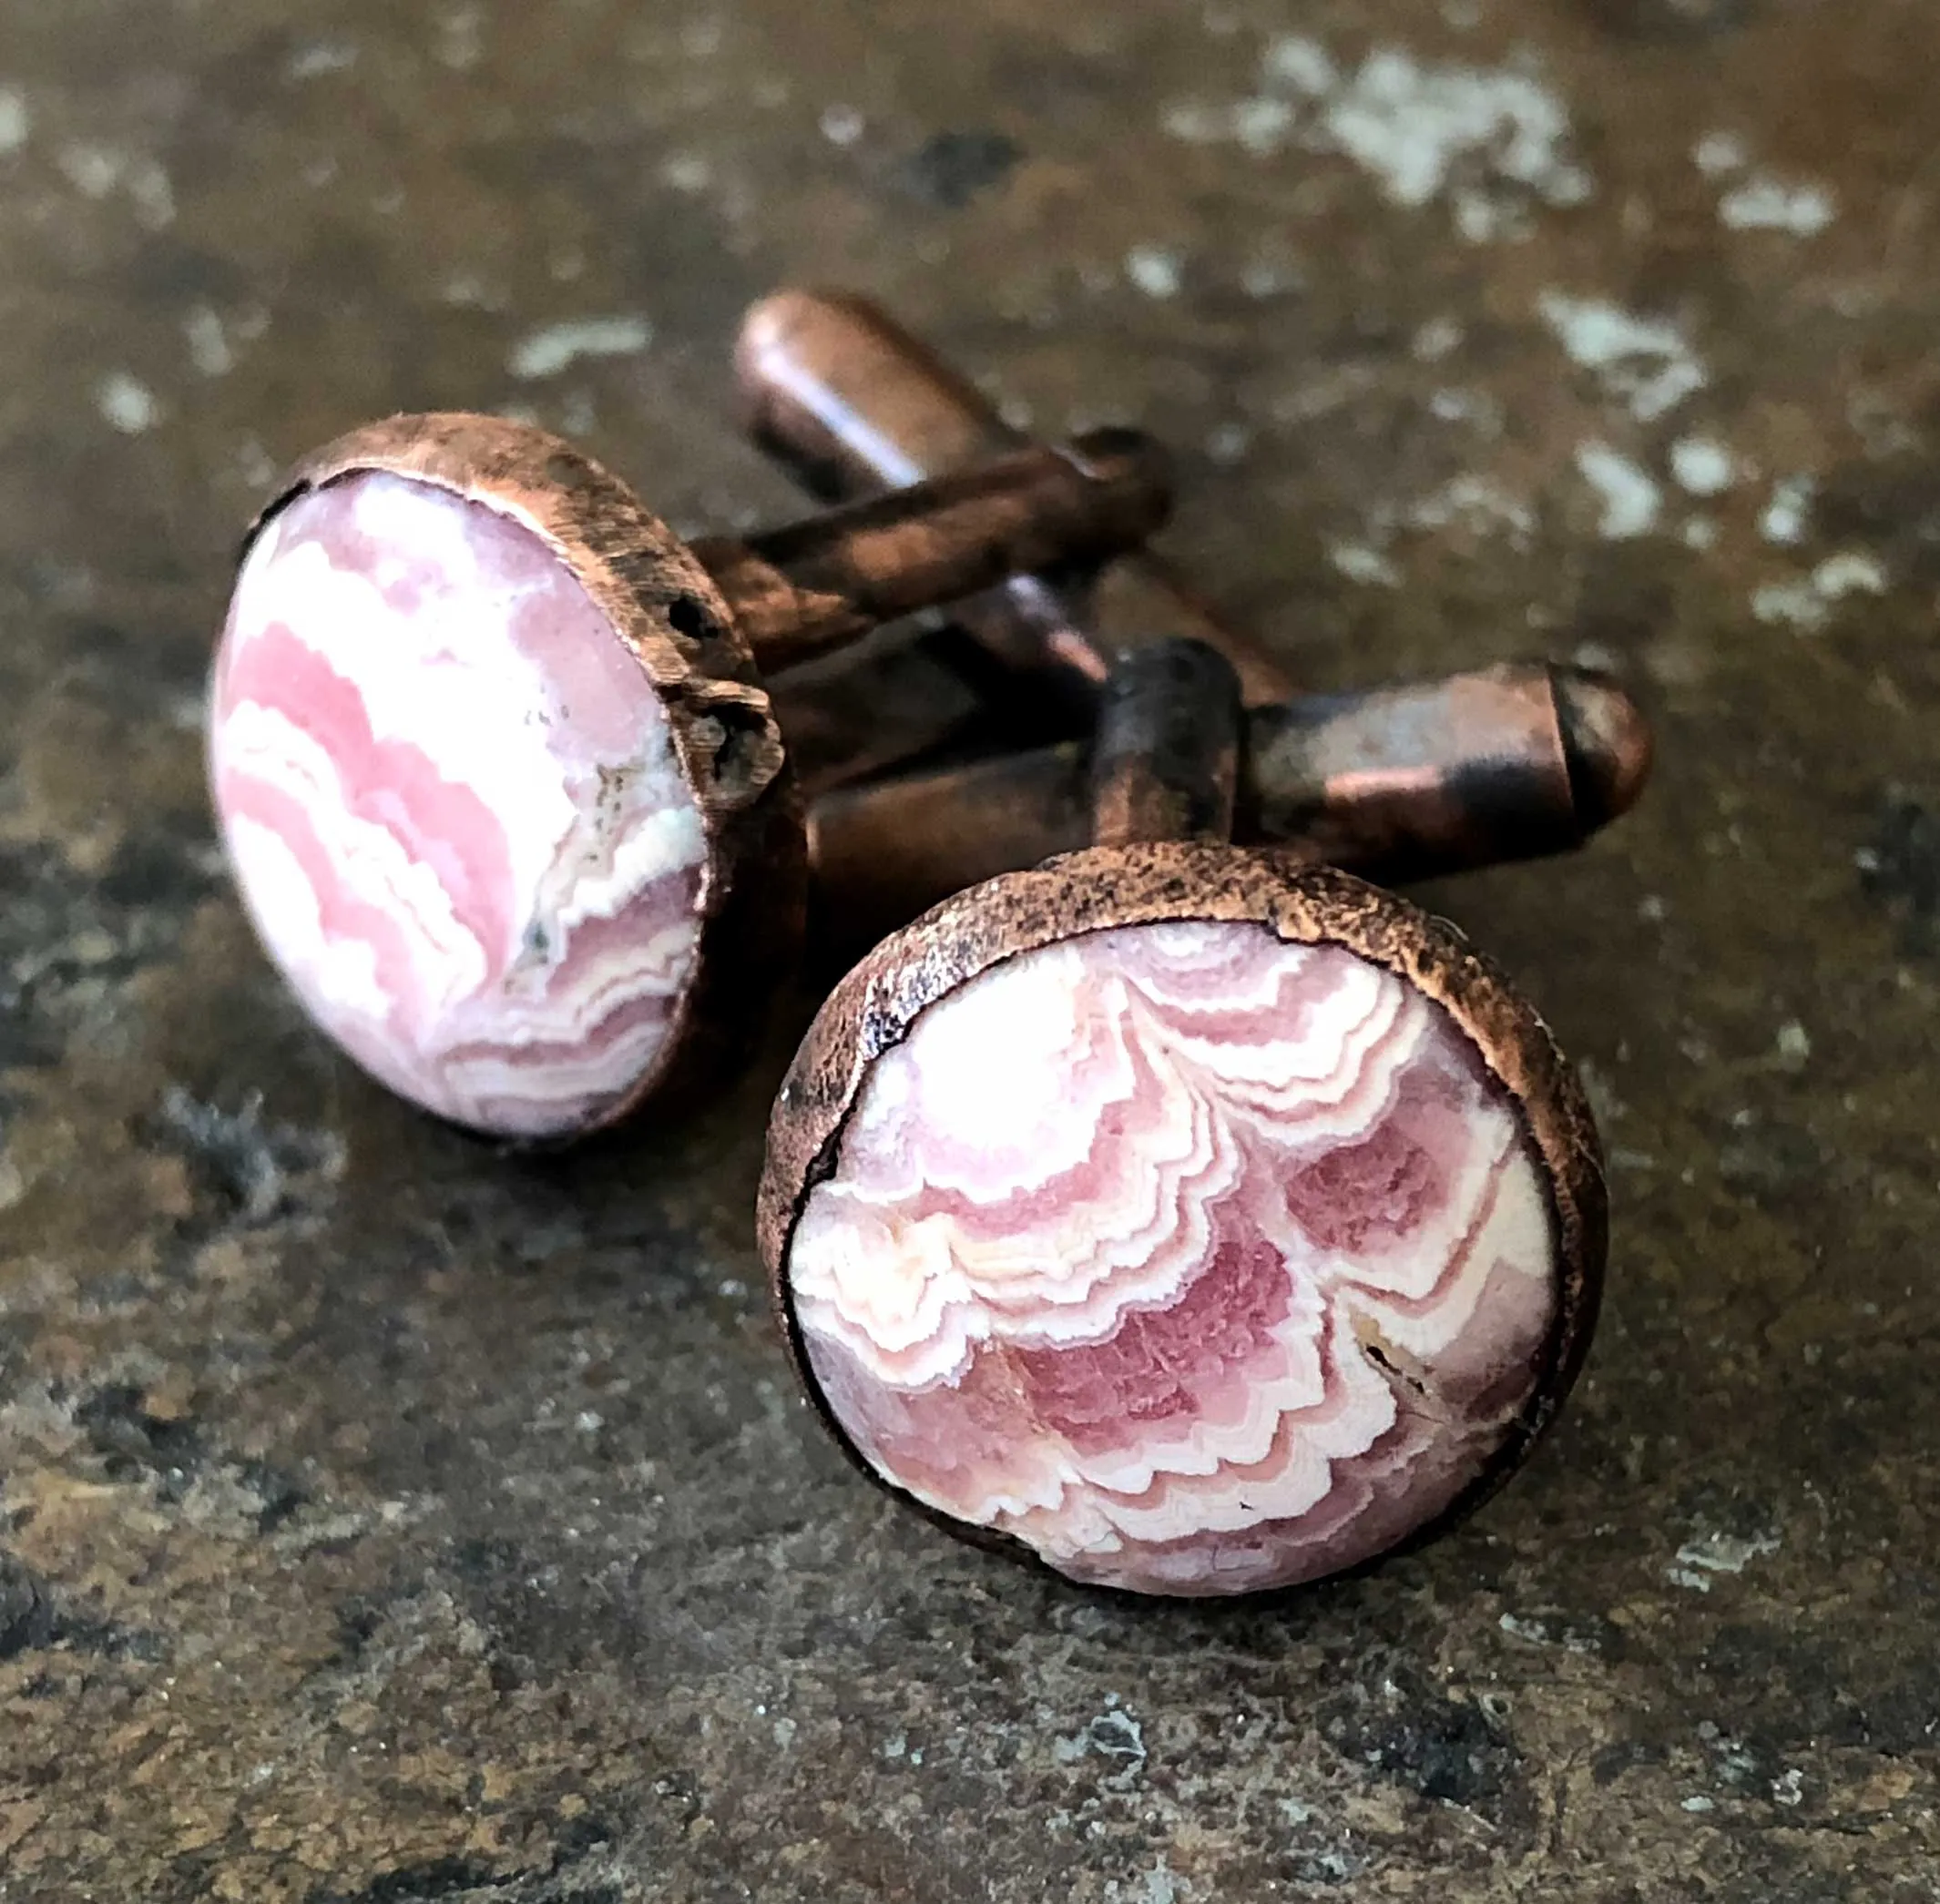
(875, 1006)
(677, 625)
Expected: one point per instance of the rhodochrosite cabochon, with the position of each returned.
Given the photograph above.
(452, 799)
(1197, 1261)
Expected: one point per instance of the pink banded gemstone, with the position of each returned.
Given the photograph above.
(451, 798)
(1199, 1262)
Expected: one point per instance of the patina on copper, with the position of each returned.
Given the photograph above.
(1149, 881)
(1165, 762)
(834, 387)
(800, 591)
(703, 620)
(1397, 783)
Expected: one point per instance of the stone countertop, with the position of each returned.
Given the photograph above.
(385, 1520)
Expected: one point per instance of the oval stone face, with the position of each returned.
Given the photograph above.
(1198, 1262)
(451, 800)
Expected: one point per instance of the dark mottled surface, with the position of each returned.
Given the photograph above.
(386, 1522)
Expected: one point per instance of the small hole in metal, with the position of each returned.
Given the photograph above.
(689, 618)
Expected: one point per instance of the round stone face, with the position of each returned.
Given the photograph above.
(451, 798)
(1199, 1262)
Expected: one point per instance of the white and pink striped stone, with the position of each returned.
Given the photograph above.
(449, 796)
(1199, 1262)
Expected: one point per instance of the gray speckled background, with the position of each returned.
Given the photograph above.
(384, 1521)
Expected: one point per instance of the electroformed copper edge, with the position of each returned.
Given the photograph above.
(644, 580)
(876, 1007)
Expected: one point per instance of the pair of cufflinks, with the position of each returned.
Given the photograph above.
(1168, 1203)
